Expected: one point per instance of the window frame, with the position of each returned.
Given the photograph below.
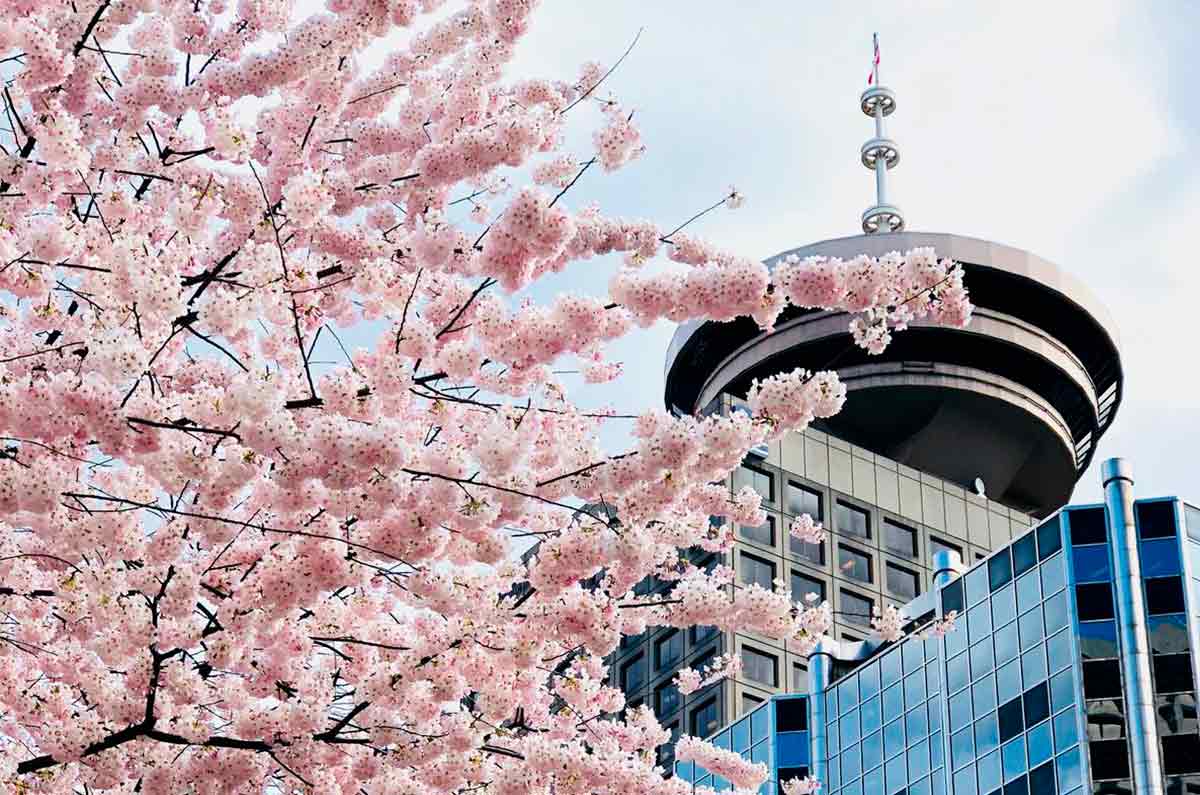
(750, 652)
(888, 567)
(910, 553)
(757, 560)
(841, 504)
(844, 572)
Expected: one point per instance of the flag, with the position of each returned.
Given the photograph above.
(874, 61)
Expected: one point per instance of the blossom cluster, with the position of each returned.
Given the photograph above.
(278, 418)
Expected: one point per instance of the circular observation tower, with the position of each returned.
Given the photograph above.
(1018, 398)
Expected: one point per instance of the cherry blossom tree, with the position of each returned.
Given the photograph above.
(227, 568)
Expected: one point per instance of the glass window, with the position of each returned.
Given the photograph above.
(850, 735)
(1094, 602)
(1049, 537)
(1181, 754)
(1102, 679)
(1098, 640)
(1176, 714)
(799, 678)
(1172, 673)
(704, 719)
(960, 710)
(902, 582)
(701, 634)
(893, 702)
(854, 564)
(750, 702)
(1164, 595)
(976, 582)
(1033, 665)
(1168, 634)
(958, 673)
(802, 499)
(1062, 690)
(1056, 611)
(1008, 680)
(979, 623)
(758, 479)
(989, 773)
(760, 667)
(987, 734)
(872, 717)
(1070, 772)
(1155, 519)
(1066, 731)
(984, 693)
(856, 609)
(1053, 576)
(1037, 704)
(1109, 758)
(666, 699)
(869, 680)
(982, 659)
(756, 571)
(1004, 606)
(1029, 591)
(1012, 720)
(1006, 643)
(999, 569)
(1160, 557)
(1031, 630)
(1058, 650)
(1087, 526)
(1091, 564)
(791, 714)
(633, 674)
(899, 539)
(1013, 757)
(852, 520)
(668, 650)
(914, 688)
(962, 747)
(803, 585)
(937, 545)
(952, 596)
(895, 774)
(760, 534)
(1024, 552)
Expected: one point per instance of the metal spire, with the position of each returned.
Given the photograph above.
(880, 153)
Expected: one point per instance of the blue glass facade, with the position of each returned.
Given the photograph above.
(1031, 692)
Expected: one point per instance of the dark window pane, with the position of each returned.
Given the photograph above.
(801, 499)
(1011, 720)
(1176, 714)
(1102, 679)
(1049, 537)
(1160, 557)
(1018, 786)
(758, 479)
(1094, 601)
(1041, 780)
(1037, 704)
(1088, 526)
(666, 699)
(633, 674)
(1155, 519)
(1168, 634)
(899, 539)
(1113, 788)
(789, 773)
(852, 520)
(760, 667)
(704, 719)
(668, 650)
(1091, 564)
(1098, 640)
(1110, 759)
(1106, 719)
(701, 634)
(791, 714)
(761, 534)
(902, 582)
(1024, 553)
(756, 571)
(952, 597)
(999, 569)
(856, 609)
(1181, 754)
(1172, 673)
(803, 585)
(1164, 595)
(854, 564)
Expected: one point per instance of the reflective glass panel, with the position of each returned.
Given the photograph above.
(1098, 639)
(1004, 606)
(979, 622)
(1091, 564)
(989, 772)
(872, 750)
(977, 586)
(890, 667)
(850, 729)
(985, 694)
(960, 710)
(956, 639)
(915, 724)
(1070, 774)
(1030, 625)
(1056, 611)
(918, 760)
(848, 693)
(856, 609)
(999, 568)
(1058, 649)
(964, 781)
(1006, 643)
(1160, 557)
(869, 680)
(1013, 756)
(896, 774)
(1033, 665)
(987, 734)
(893, 738)
(914, 688)
(1024, 552)
(1168, 634)
(913, 654)
(893, 702)
(1039, 742)
(958, 672)
(982, 659)
(962, 747)
(1053, 576)
(871, 718)
(1066, 730)
(1049, 537)
(1029, 591)
(1008, 680)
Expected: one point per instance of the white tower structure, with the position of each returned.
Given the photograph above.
(880, 154)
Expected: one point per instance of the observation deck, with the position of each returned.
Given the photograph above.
(1019, 398)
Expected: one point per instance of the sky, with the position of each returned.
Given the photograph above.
(1067, 129)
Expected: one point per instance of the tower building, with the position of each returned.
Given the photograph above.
(952, 442)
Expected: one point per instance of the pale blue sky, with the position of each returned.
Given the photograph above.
(1064, 128)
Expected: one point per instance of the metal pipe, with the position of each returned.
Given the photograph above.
(1117, 477)
(820, 672)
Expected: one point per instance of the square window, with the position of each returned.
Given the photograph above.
(763, 534)
(791, 714)
(999, 569)
(760, 667)
(937, 545)
(756, 571)
(1031, 630)
(1155, 519)
(701, 634)
(852, 520)
(1004, 606)
(962, 747)
(1088, 526)
(750, 702)
(902, 582)
(1041, 779)
(1110, 759)
(850, 730)
(760, 480)
(666, 699)
(1168, 634)
(741, 736)
(1160, 557)
(872, 715)
(1164, 595)
(976, 583)
(668, 650)
(1024, 552)
(804, 500)
(1070, 771)
(960, 710)
(869, 680)
(1176, 714)
(854, 564)
(1057, 612)
(704, 719)
(848, 693)
(893, 702)
(1098, 640)
(803, 585)
(813, 553)
(1181, 754)
(856, 609)
(1037, 704)
(990, 776)
(1172, 673)
(1102, 679)
(1094, 602)
(1011, 718)
(1049, 537)
(915, 724)
(899, 539)
(893, 738)
(872, 750)
(914, 688)
(1006, 643)
(1018, 786)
